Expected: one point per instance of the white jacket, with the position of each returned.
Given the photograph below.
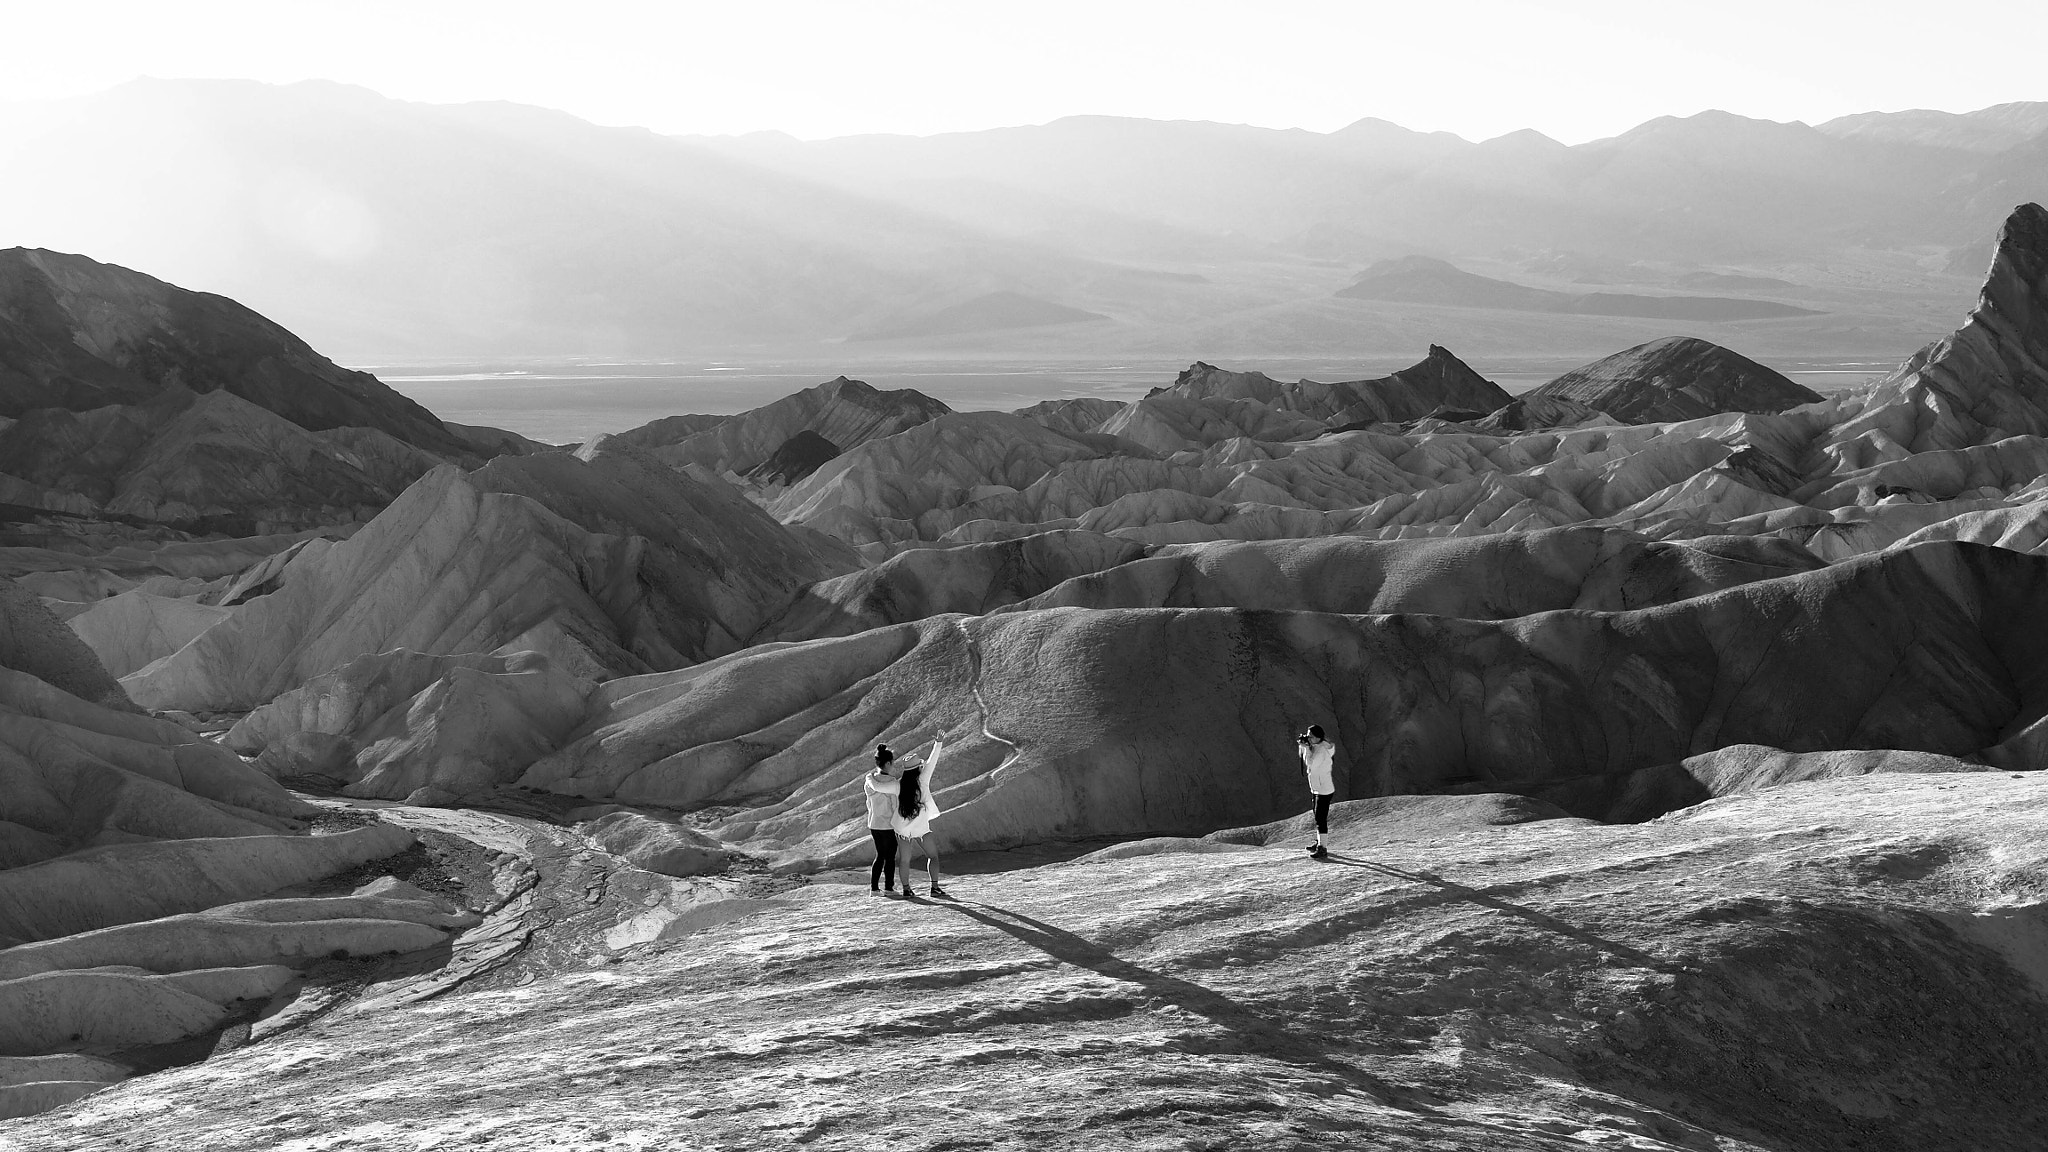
(1320, 760)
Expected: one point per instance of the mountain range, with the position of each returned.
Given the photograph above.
(379, 228)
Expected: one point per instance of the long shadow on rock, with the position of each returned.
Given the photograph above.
(1255, 1032)
(1542, 920)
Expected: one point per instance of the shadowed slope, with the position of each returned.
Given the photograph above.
(78, 334)
(1134, 722)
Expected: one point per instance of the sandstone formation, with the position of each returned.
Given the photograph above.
(1984, 383)
(401, 724)
(657, 846)
(35, 642)
(1439, 381)
(129, 852)
(938, 463)
(668, 430)
(1676, 378)
(972, 579)
(1079, 414)
(1064, 723)
(133, 629)
(448, 567)
(1489, 577)
(1170, 422)
(1651, 792)
(607, 563)
(711, 565)
(848, 413)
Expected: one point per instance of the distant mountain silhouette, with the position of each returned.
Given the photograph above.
(989, 313)
(1426, 280)
(384, 231)
(1992, 129)
(1732, 282)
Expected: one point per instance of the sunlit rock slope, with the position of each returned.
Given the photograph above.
(1852, 964)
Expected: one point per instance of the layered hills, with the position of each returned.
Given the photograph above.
(1751, 674)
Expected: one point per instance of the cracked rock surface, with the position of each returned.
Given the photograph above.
(1855, 963)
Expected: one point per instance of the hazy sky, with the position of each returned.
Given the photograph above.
(1575, 69)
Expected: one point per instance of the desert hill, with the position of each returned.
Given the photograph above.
(77, 334)
(1676, 379)
(1687, 736)
(843, 413)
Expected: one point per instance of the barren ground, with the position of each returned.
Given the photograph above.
(1850, 964)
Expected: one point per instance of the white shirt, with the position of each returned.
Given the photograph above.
(1320, 759)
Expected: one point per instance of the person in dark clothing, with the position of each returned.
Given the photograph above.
(1318, 759)
(882, 786)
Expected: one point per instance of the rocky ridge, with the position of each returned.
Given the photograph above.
(599, 722)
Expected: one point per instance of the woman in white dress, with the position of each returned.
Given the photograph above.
(912, 820)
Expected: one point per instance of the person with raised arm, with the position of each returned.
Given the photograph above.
(912, 820)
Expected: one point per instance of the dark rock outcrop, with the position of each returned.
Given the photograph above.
(78, 334)
(799, 456)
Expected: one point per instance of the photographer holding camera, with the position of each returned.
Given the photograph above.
(1318, 757)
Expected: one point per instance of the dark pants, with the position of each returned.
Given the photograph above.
(1323, 814)
(885, 857)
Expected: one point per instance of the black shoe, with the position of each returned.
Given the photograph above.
(938, 893)
(1318, 852)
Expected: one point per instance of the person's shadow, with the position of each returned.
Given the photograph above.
(1456, 891)
(1248, 1029)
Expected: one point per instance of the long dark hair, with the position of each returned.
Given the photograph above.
(909, 798)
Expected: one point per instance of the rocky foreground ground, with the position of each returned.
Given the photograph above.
(1856, 963)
